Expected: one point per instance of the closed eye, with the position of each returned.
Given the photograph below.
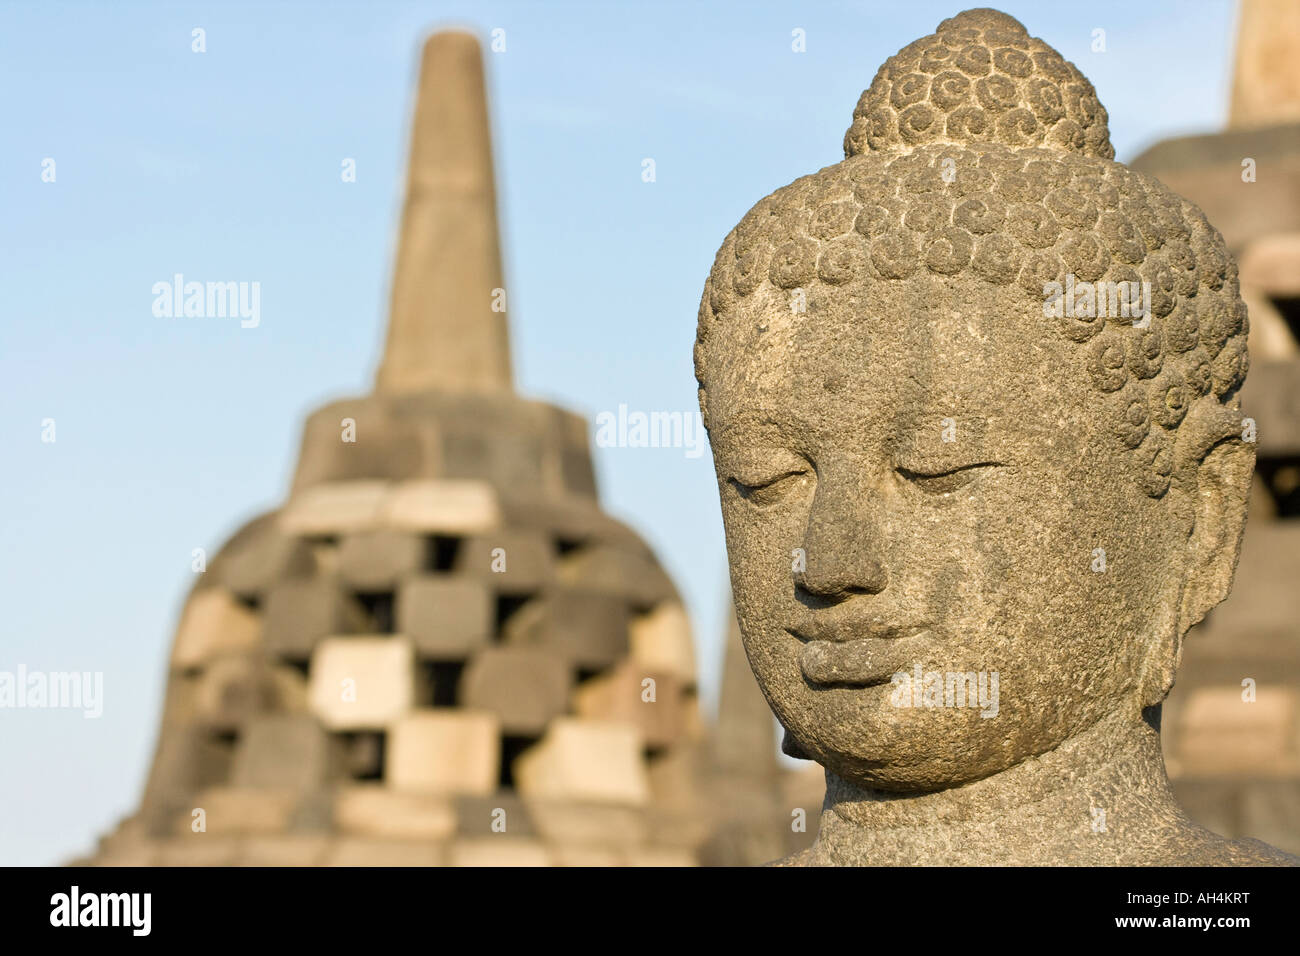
(946, 482)
(768, 490)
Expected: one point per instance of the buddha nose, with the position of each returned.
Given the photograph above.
(842, 545)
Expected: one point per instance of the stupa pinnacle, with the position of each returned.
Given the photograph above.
(447, 328)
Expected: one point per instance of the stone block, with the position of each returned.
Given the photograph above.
(446, 617)
(441, 506)
(380, 444)
(198, 849)
(291, 849)
(287, 752)
(623, 695)
(661, 641)
(506, 450)
(525, 687)
(587, 856)
(335, 508)
(258, 557)
(444, 750)
(516, 562)
(188, 759)
(214, 623)
(362, 683)
(661, 856)
(374, 810)
(584, 760)
(300, 613)
(499, 850)
(589, 629)
(1220, 732)
(360, 851)
(632, 574)
(497, 813)
(1271, 396)
(239, 810)
(375, 561)
(232, 690)
(587, 823)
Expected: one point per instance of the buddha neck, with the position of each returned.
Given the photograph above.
(1100, 797)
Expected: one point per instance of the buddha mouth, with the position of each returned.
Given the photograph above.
(861, 661)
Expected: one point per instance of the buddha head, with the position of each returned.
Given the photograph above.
(972, 395)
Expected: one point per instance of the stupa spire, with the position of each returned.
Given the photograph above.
(447, 326)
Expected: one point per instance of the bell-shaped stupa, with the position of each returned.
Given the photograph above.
(439, 650)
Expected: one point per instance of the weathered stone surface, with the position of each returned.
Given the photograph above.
(239, 810)
(259, 556)
(499, 850)
(1272, 398)
(525, 687)
(661, 641)
(589, 823)
(364, 851)
(452, 507)
(362, 683)
(376, 561)
(232, 690)
(200, 849)
(445, 750)
(510, 561)
(362, 438)
(584, 760)
(629, 694)
(214, 623)
(745, 738)
(300, 613)
(286, 752)
(633, 575)
(1221, 732)
(921, 457)
(188, 758)
(585, 855)
(661, 856)
(335, 508)
(1266, 82)
(499, 812)
(589, 629)
(447, 327)
(446, 617)
(289, 849)
(378, 811)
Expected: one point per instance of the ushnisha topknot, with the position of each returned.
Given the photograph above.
(979, 149)
(979, 78)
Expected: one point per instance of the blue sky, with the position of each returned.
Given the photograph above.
(225, 165)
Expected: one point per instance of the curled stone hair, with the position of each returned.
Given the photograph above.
(980, 149)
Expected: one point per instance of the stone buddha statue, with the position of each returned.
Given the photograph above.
(973, 401)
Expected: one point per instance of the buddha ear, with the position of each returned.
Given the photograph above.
(1219, 465)
(1214, 465)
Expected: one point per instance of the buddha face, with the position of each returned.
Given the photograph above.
(916, 474)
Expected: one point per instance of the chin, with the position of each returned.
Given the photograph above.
(860, 736)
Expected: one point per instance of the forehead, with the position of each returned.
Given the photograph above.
(888, 357)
